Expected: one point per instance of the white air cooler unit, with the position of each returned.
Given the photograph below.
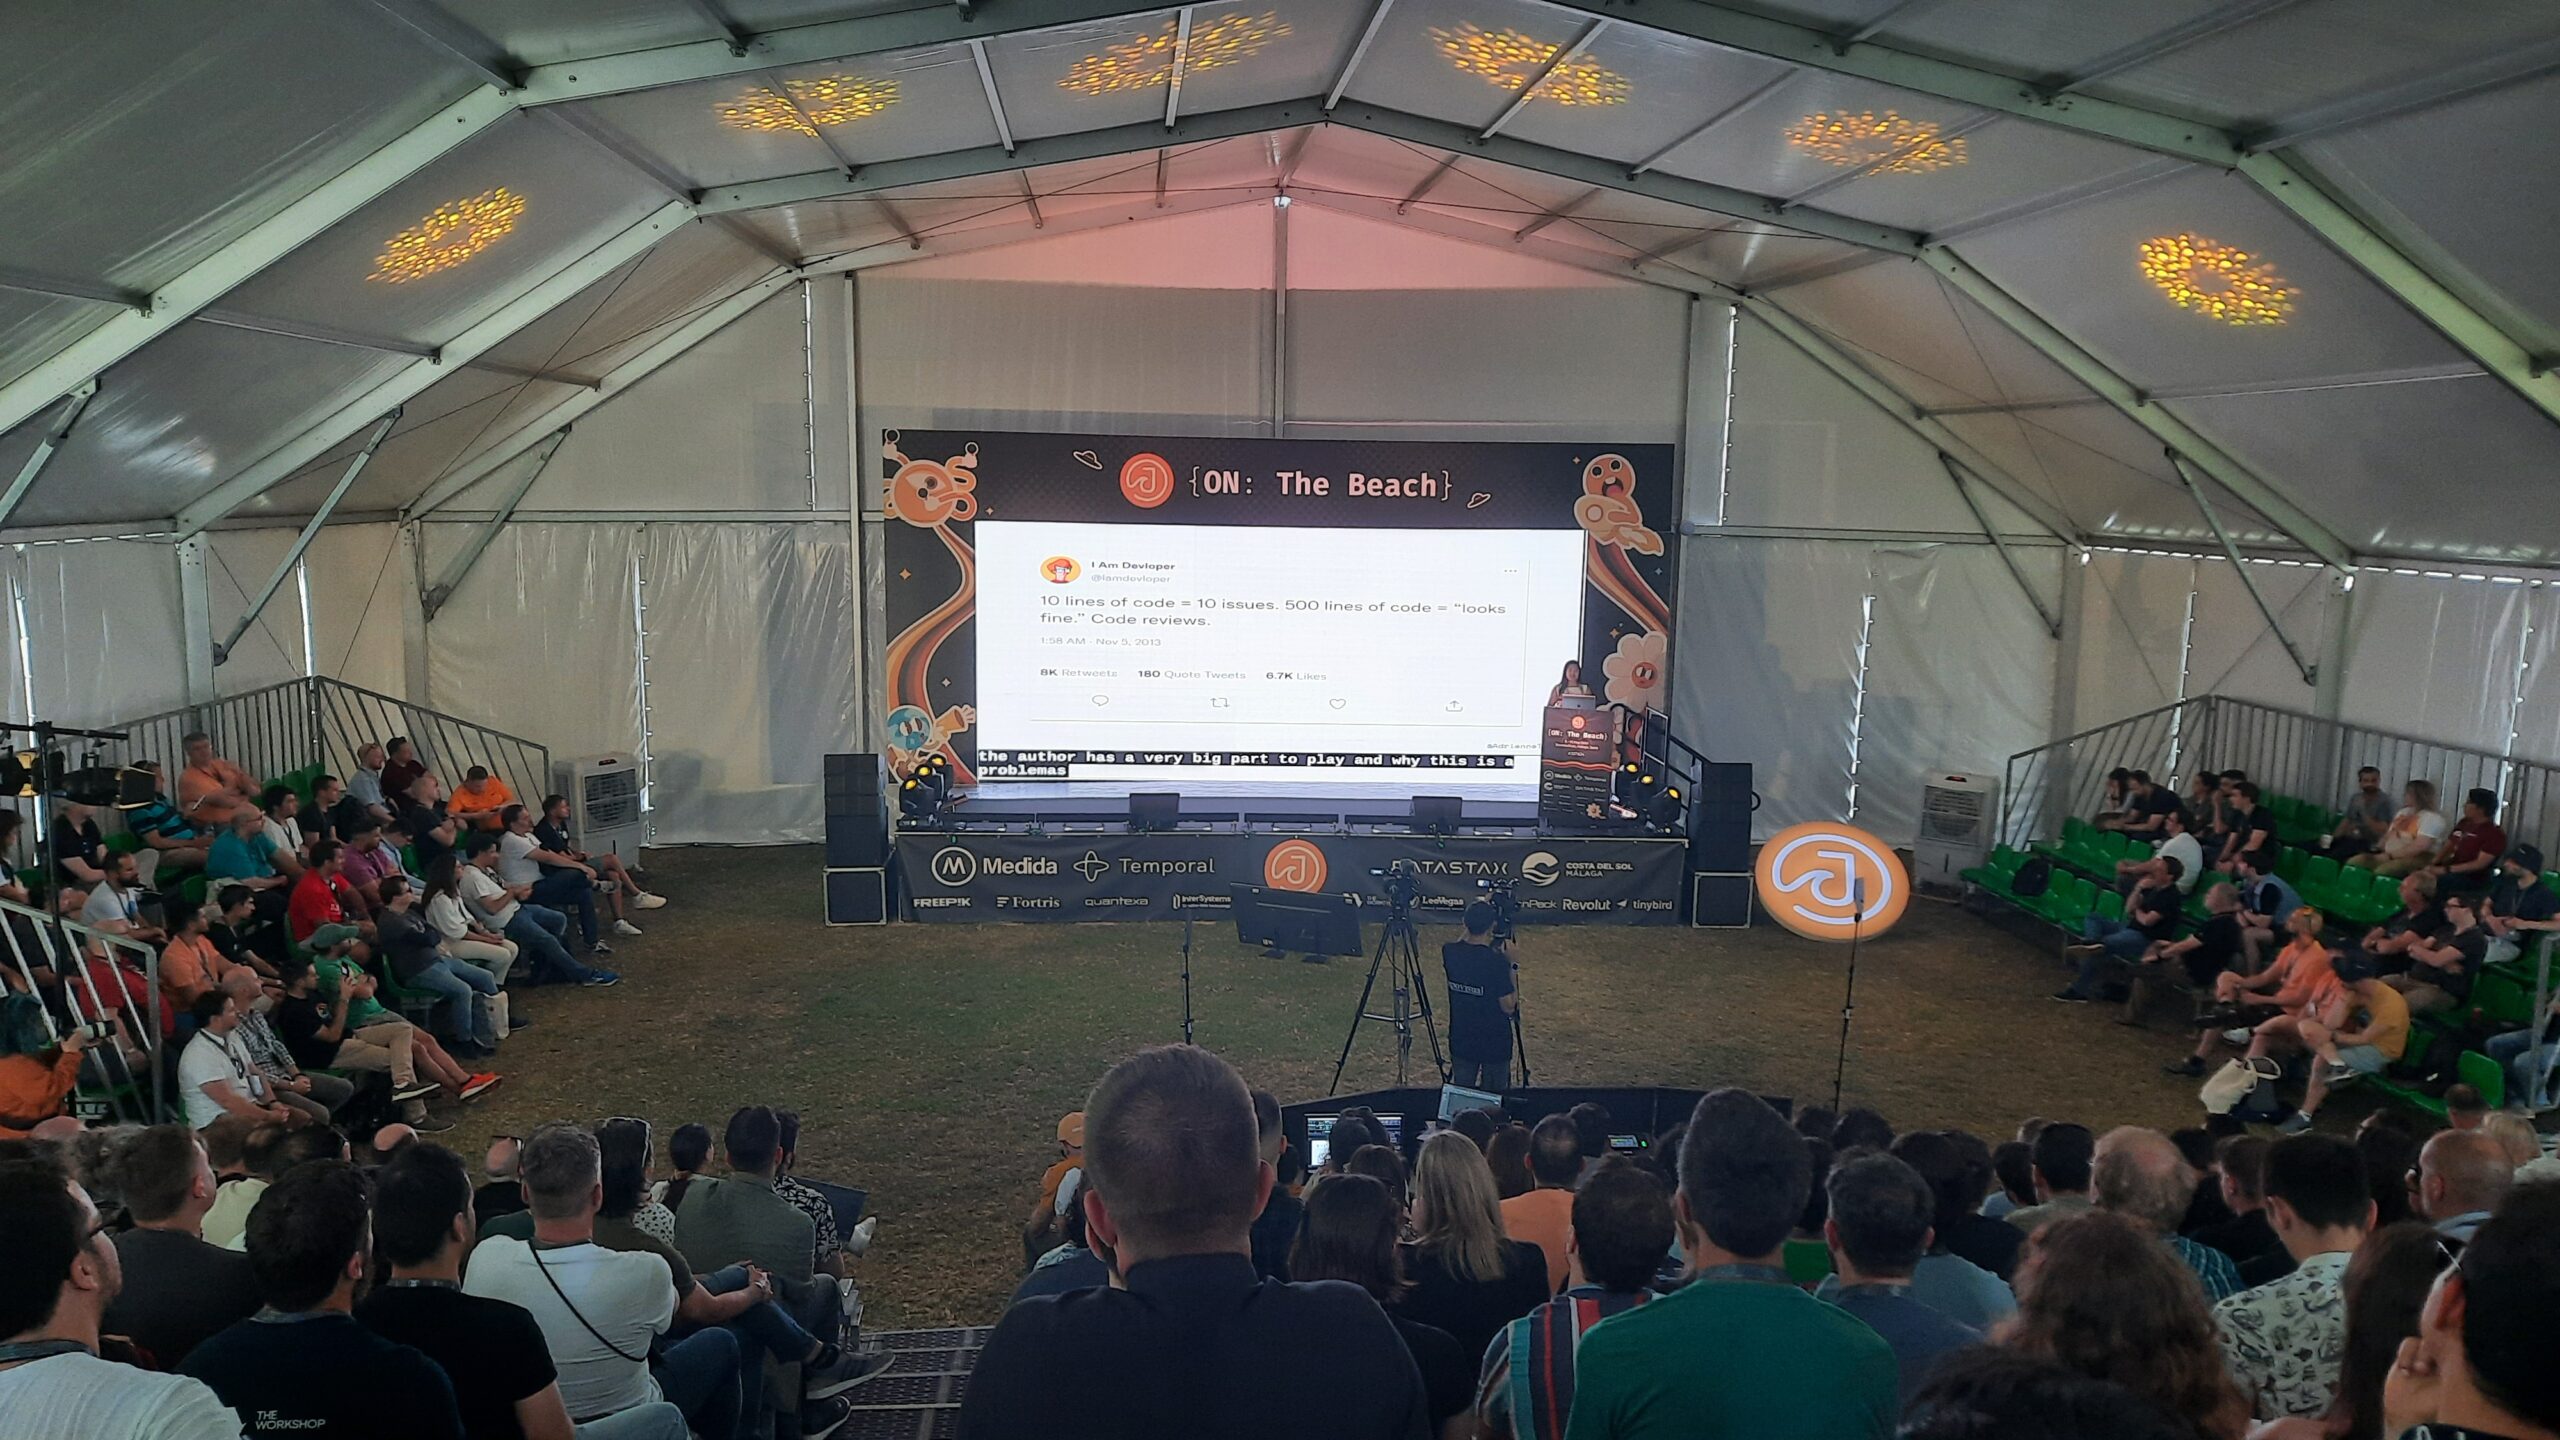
(1956, 820)
(606, 816)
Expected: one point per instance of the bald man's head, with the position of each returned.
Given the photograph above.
(2461, 1172)
(2141, 1175)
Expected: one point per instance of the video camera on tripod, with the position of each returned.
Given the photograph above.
(1403, 884)
(1505, 896)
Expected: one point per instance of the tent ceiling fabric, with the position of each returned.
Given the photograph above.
(1708, 146)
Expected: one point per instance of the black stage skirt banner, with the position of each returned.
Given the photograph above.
(974, 876)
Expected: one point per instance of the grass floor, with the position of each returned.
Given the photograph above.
(931, 1061)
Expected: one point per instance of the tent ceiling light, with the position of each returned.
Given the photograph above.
(2220, 281)
(451, 234)
(824, 99)
(1147, 61)
(1508, 59)
(1891, 143)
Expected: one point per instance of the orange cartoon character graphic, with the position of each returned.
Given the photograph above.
(930, 495)
(1612, 526)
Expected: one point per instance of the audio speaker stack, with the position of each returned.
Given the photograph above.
(1720, 848)
(858, 790)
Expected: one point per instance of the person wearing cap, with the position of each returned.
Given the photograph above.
(2519, 904)
(2374, 1034)
(1040, 1231)
(2469, 859)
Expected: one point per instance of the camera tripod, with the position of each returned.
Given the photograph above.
(1401, 948)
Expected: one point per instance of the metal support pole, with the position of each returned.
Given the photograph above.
(1447, 163)
(72, 404)
(1181, 61)
(433, 598)
(1279, 313)
(1359, 52)
(310, 529)
(2231, 551)
(195, 611)
(1546, 72)
(2337, 637)
(1964, 492)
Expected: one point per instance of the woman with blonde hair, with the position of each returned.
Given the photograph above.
(2100, 1294)
(1466, 1277)
(2515, 1135)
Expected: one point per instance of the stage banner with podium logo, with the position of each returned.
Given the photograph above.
(1559, 880)
(1577, 760)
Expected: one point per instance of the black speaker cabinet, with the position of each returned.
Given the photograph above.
(1720, 825)
(857, 811)
(1719, 902)
(858, 896)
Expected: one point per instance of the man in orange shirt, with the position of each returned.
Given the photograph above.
(1041, 1229)
(211, 789)
(482, 800)
(1544, 1216)
(2303, 981)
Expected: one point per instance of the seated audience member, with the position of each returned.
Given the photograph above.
(2461, 1178)
(165, 831)
(2531, 1055)
(477, 1007)
(457, 924)
(2176, 843)
(481, 800)
(2115, 800)
(232, 928)
(1621, 1235)
(332, 813)
(1956, 1183)
(323, 1033)
(2283, 1340)
(243, 855)
(2521, 909)
(316, 1095)
(1860, 1128)
(364, 785)
(829, 1249)
(1385, 1166)
(2517, 1137)
(431, 830)
(1507, 1156)
(688, 1152)
(190, 966)
(2060, 1158)
(2465, 1108)
(2267, 903)
(211, 789)
(2468, 862)
(37, 1072)
(400, 768)
(2140, 1175)
(1878, 1229)
(1544, 1216)
(1040, 1230)
(2385, 1288)
(496, 1356)
(1995, 1394)
(2442, 969)
(115, 903)
(2418, 918)
(2363, 820)
(504, 1192)
(1738, 1350)
(570, 889)
(1072, 1264)
(2251, 830)
(2204, 1207)
(738, 1220)
(282, 810)
(602, 1311)
(216, 1076)
(246, 1156)
(2481, 1364)
(2409, 843)
(314, 900)
(1590, 1122)
(1277, 1226)
(2249, 1235)
(2013, 1169)
(179, 1288)
(551, 830)
(1173, 1183)
(2373, 1034)
(371, 857)
(2100, 1294)
(2151, 918)
(58, 1276)
(2302, 981)
(536, 929)
(1478, 1124)
(303, 1365)
(2389, 1140)
(79, 847)
(1465, 1277)
(1350, 1236)
(2194, 963)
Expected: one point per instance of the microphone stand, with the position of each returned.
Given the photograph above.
(1186, 975)
(1849, 998)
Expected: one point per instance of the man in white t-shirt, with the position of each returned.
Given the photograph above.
(600, 1309)
(50, 1310)
(550, 878)
(216, 1074)
(536, 929)
(115, 903)
(2179, 845)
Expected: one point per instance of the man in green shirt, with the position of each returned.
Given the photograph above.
(1739, 1353)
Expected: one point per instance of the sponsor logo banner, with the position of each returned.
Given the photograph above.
(955, 877)
(1830, 882)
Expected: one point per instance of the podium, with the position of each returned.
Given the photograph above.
(1577, 762)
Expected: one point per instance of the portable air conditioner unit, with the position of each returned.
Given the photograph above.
(1956, 818)
(606, 816)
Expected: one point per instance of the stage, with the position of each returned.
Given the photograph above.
(1071, 855)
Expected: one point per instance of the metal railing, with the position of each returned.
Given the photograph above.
(2287, 752)
(284, 727)
(66, 949)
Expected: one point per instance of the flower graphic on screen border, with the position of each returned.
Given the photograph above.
(1635, 670)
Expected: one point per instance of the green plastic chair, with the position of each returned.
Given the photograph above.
(2484, 1075)
(2110, 907)
(2319, 873)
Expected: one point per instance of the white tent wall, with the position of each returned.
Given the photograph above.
(103, 630)
(237, 564)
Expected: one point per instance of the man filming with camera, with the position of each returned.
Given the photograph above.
(1482, 998)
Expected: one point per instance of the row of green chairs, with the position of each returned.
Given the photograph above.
(2472, 1068)
(2067, 900)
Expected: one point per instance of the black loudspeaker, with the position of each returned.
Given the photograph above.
(1155, 810)
(857, 811)
(1438, 814)
(1720, 824)
(1719, 902)
(858, 897)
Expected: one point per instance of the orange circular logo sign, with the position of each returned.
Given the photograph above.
(1059, 569)
(1146, 481)
(1294, 865)
(1830, 882)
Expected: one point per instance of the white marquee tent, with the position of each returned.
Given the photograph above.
(2033, 364)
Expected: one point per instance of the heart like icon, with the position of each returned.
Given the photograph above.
(1477, 499)
(1101, 699)
(1088, 459)
(1337, 704)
